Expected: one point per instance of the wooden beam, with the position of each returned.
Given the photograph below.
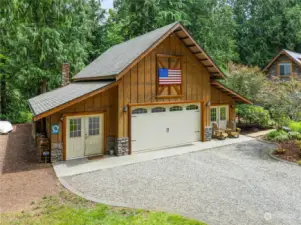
(209, 66)
(196, 52)
(203, 60)
(169, 56)
(192, 45)
(183, 38)
(74, 101)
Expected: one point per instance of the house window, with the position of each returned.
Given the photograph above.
(222, 112)
(158, 110)
(213, 114)
(75, 127)
(94, 126)
(192, 107)
(176, 108)
(139, 111)
(285, 69)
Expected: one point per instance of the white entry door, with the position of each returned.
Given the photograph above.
(94, 133)
(160, 126)
(220, 116)
(84, 136)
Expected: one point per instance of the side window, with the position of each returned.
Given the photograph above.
(192, 107)
(176, 108)
(94, 126)
(285, 69)
(75, 127)
(158, 110)
(139, 111)
(213, 114)
(222, 112)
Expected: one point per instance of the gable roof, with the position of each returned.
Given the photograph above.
(237, 97)
(119, 58)
(63, 97)
(294, 56)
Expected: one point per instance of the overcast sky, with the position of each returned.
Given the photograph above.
(107, 4)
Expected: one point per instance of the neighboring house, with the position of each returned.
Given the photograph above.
(284, 65)
(153, 91)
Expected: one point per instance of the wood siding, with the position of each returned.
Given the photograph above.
(273, 71)
(220, 98)
(103, 102)
(139, 84)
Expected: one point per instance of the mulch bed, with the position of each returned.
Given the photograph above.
(292, 154)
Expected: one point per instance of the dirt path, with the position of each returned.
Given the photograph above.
(22, 179)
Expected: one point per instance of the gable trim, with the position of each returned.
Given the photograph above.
(230, 92)
(277, 56)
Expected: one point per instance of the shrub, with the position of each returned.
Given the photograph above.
(299, 162)
(254, 115)
(282, 138)
(274, 134)
(295, 126)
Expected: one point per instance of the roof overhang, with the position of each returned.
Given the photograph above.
(237, 97)
(71, 102)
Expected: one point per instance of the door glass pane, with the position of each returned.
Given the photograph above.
(75, 127)
(223, 113)
(93, 125)
(213, 114)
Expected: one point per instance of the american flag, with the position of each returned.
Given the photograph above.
(169, 76)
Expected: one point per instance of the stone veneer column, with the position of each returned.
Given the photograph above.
(122, 146)
(208, 133)
(56, 152)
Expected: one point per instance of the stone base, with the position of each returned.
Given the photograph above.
(56, 155)
(208, 133)
(122, 146)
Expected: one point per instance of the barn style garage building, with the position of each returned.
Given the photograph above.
(154, 91)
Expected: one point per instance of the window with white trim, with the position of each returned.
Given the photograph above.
(93, 126)
(75, 127)
(158, 110)
(222, 113)
(192, 107)
(176, 108)
(139, 111)
(213, 114)
(284, 69)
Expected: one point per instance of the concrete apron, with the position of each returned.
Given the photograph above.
(79, 166)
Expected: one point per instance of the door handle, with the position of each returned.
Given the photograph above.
(167, 130)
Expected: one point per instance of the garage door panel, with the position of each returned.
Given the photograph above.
(163, 126)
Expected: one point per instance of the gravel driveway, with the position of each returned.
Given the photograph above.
(238, 184)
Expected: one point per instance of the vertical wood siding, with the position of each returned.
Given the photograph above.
(139, 84)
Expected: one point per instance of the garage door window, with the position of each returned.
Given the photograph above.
(176, 108)
(192, 107)
(139, 111)
(75, 127)
(158, 110)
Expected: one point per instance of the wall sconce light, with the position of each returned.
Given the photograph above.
(125, 108)
(232, 106)
(208, 104)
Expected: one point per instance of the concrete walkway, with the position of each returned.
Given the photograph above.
(79, 166)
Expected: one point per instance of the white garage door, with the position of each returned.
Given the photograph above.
(161, 126)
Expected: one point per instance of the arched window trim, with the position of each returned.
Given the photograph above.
(192, 107)
(158, 109)
(176, 108)
(139, 111)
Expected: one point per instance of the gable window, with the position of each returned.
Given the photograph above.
(158, 110)
(284, 69)
(176, 108)
(139, 111)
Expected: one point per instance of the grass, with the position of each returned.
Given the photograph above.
(68, 209)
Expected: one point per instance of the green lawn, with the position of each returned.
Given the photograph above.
(70, 209)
